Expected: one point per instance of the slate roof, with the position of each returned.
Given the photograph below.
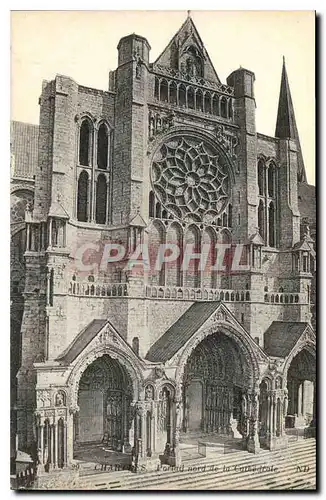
(181, 331)
(57, 210)
(24, 148)
(281, 337)
(81, 341)
(307, 202)
(138, 221)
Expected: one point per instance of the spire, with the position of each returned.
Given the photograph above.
(286, 127)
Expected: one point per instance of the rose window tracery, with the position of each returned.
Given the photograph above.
(190, 179)
(19, 202)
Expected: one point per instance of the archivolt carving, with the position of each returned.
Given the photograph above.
(114, 352)
(307, 342)
(243, 343)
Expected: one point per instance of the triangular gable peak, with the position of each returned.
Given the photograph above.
(187, 55)
(307, 340)
(137, 221)
(180, 337)
(96, 336)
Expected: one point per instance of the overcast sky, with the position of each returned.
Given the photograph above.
(82, 45)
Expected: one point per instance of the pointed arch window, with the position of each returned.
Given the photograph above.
(164, 91)
(102, 147)
(93, 172)
(191, 98)
(261, 219)
(182, 96)
(216, 110)
(230, 215)
(173, 92)
(207, 103)
(157, 88)
(271, 181)
(199, 100)
(271, 225)
(261, 178)
(135, 345)
(82, 197)
(84, 143)
(224, 108)
(230, 109)
(101, 199)
(151, 208)
(158, 210)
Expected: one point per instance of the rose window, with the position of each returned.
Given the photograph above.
(19, 202)
(190, 180)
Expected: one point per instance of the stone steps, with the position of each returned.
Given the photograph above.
(235, 480)
(124, 479)
(301, 453)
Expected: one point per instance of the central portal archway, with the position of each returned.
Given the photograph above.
(215, 379)
(104, 400)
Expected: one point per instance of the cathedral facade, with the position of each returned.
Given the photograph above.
(135, 356)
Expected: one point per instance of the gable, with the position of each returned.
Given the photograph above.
(198, 314)
(281, 337)
(181, 331)
(186, 54)
(99, 330)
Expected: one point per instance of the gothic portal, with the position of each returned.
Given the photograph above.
(138, 360)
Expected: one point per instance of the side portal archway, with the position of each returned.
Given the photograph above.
(104, 399)
(301, 385)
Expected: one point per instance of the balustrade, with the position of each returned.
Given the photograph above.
(87, 289)
(285, 298)
(175, 293)
(197, 80)
(216, 101)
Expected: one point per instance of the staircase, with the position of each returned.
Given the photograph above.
(291, 469)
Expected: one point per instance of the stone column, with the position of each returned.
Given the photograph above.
(56, 427)
(143, 430)
(176, 434)
(28, 236)
(300, 389)
(41, 447)
(278, 440)
(285, 410)
(127, 422)
(53, 453)
(70, 435)
(253, 444)
(268, 416)
(65, 444)
(138, 431)
(131, 424)
(273, 414)
(314, 404)
(245, 407)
